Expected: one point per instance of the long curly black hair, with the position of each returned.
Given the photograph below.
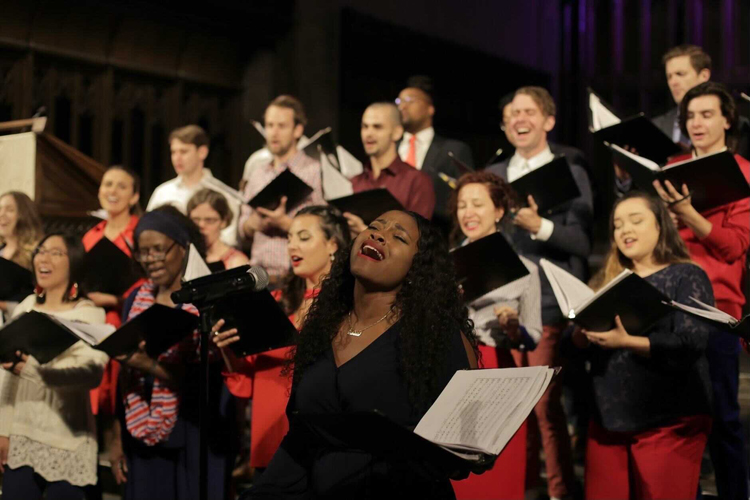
(429, 307)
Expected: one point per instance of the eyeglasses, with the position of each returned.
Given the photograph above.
(406, 100)
(209, 221)
(54, 252)
(151, 255)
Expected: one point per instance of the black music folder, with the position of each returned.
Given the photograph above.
(285, 184)
(109, 269)
(636, 131)
(383, 437)
(551, 185)
(638, 303)
(486, 264)
(640, 133)
(216, 267)
(160, 326)
(714, 180)
(260, 322)
(16, 282)
(368, 205)
(36, 334)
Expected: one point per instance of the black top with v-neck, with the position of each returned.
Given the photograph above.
(304, 467)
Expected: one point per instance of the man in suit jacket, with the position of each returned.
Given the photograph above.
(423, 149)
(562, 237)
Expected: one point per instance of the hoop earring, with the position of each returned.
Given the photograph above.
(73, 293)
(40, 294)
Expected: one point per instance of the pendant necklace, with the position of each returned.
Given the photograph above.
(357, 333)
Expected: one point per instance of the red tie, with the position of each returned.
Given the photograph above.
(411, 156)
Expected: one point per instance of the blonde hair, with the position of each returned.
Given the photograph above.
(28, 228)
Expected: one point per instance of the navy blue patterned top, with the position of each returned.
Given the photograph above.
(634, 392)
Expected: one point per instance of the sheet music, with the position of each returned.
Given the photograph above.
(91, 334)
(474, 409)
(350, 166)
(705, 311)
(196, 267)
(569, 290)
(651, 165)
(304, 142)
(335, 185)
(601, 117)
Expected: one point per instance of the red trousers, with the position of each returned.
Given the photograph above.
(505, 481)
(660, 463)
(548, 421)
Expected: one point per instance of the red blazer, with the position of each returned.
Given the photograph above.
(722, 253)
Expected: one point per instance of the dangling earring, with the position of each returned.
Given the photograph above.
(73, 293)
(40, 294)
(332, 258)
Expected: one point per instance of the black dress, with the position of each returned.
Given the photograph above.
(305, 467)
(634, 393)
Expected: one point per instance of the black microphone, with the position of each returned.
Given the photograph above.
(216, 286)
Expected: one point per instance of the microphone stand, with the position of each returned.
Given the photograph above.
(204, 293)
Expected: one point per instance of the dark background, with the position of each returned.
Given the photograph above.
(116, 77)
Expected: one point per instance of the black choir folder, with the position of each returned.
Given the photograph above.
(15, 281)
(45, 336)
(635, 300)
(638, 303)
(109, 269)
(470, 423)
(367, 205)
(285, 184)
(486, 264)
(551, 185)
(260, 322)
(636, 132)
(714, 179)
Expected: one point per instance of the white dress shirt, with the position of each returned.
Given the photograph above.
(424, 140)
(520, 166)
(175, 192)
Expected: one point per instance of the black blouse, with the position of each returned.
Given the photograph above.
(634, 393)
(305, 468)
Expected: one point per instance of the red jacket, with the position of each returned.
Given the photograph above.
(722, 253)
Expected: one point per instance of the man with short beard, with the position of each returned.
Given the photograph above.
(284, 123)
(380, 131)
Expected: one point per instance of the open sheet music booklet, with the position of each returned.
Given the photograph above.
(479, 411)
(637, 302)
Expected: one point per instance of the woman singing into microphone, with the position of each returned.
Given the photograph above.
(387, 331)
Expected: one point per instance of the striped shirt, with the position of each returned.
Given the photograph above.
(269, 250)
(151, 420)
(525, 296)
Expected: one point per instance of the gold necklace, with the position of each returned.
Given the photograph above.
(357, 333)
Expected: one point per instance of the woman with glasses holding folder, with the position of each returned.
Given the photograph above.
(48, 440)
(651, 392)
(377, 336)
(158, 455)
(317, 233)
(509, 317)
